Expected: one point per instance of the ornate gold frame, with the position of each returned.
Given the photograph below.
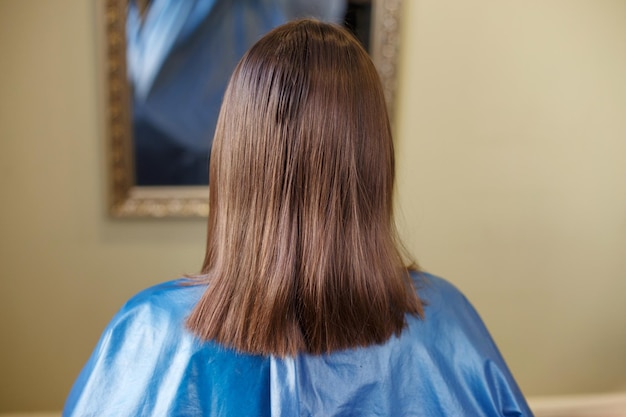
(129, 200)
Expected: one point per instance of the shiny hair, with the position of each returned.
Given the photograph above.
(301, 249)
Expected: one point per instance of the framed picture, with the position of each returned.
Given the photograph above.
(167, 64)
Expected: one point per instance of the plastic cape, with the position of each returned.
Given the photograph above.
(148, 364)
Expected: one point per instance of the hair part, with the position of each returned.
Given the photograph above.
(301, 248)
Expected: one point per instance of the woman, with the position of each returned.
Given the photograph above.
(305, 306)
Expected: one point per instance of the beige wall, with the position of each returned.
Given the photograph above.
(512, 170)
(511, 137)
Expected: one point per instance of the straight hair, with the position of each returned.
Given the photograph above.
(301, 250)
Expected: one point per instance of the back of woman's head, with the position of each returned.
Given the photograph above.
(301, 253)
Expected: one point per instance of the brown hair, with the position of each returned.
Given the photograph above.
(301, 252)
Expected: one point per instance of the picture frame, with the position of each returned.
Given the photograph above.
(126, 198)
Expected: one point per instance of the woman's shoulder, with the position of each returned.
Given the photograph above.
(448, 312)
(167, 302)
(447, 360)
(436, 291)
(148, 363)
(177, 291)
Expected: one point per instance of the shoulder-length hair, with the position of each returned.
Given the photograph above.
(301, 252)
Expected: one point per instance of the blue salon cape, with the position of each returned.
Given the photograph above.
(148, 364)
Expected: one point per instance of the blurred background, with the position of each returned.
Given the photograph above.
(510, 128)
